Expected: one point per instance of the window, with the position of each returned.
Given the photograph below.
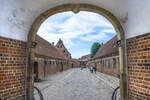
(56, 62)
(109, 63)
(45, 62)
(114, 63)
(103, 63)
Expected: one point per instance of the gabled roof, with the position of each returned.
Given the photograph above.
(85, 56)
(47, 49)
(60, 42)
(108, 48)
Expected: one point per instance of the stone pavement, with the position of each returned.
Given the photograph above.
(111, 81)
(77, 84)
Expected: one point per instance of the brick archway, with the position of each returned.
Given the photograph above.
(75, 8)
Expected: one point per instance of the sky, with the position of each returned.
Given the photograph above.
(78, 31)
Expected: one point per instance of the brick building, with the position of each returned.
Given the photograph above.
(74, 63)
(20, 21)
(84, 60)
(48, 59)
(63, 49)
(107, 58)
(85, 57)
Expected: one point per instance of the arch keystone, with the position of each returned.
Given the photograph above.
(76, 8)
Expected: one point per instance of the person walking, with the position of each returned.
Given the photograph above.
(91, 69)
(95, 69)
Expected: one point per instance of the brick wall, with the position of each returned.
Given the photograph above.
(109, 65)
(106, 65)
(74, 64)
(138, 50)
(48, 66)
(12, 69)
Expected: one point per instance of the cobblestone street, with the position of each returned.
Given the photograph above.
(77, 84)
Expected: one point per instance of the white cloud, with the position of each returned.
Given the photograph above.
(102, 35)
(77, 25)
(68, 26)
(78, 54)
(111, 31)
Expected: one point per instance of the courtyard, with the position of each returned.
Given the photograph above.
(77, 84)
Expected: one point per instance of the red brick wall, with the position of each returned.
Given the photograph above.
(12, 69)
(52, 66)
(138, 50)
(75, 64)
(109, 68)
(104, 67)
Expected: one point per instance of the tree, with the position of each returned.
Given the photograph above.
(94, 48)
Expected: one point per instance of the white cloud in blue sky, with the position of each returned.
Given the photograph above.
(78, 31)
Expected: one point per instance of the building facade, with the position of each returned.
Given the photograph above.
(74, 63)
(48, 59)
(85, 57)
(106, 60)
(20, 21)
(63, 49)
(84, 60)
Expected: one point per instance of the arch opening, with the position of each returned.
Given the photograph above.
(75, 8)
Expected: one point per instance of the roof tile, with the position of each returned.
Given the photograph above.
(47, 49)
(108, 48)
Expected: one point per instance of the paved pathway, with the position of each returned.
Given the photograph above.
(76, 84)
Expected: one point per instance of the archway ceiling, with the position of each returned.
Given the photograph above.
(18, 15)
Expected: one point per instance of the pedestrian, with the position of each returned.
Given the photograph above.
(91, 69)
(95, 69)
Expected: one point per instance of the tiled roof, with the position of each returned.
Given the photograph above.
(47, 49)
(85, 56)
(60, 43)
(108, 48)
(63, 49)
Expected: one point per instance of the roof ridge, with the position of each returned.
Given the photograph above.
(108, 48)
(46, 48)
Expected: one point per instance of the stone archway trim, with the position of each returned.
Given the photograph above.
(76, 8)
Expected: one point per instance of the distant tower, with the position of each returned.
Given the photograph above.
(63, 49)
